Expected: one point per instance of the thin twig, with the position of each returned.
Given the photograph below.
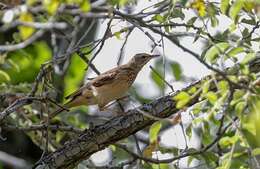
(23, 44)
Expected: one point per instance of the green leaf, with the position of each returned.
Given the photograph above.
(198, 33)
(118, 35)
(188, 130)
(235, 9)
(223, 86)
(205, 87)
(212, 97)
(75, 74)
(211, 9)
(206, 136)
(4, 76)
(176, 70)
(13, 64)
(177, 13)
(210, 158)
(224, 6)
(251, 21)
(248, 58)
(240, 106)
(214, 21)
(190, 159)
(250, 4)
(59, 136)
(234, 51)
(192, 90)
(160, 166)
(182, 99)
(26, 31)
(51, 6)
(196, 109)
(212, 54)
(246, 33)
(228, 141)
(183, 2)
(192, 20)
(85, 6)
(157, 79)
(256, 151)
(158, 18)
(232, 27)
(154, 131)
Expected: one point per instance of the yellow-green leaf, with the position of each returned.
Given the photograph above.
(248, 58)
(235, 9)
(212, 54)
(212, 97)
(182, 99)
(256, 152)
(233, 52)
(85, 6)
(192, 90)
(118, 35)
(223, 86)
(224, 6)
(200, 6)
(51, 6)
(25, 31)
(4, 76)
(240, 107)
(249, 5)
(154, 130)
(158, 18)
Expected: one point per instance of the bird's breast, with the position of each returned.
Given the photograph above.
(110, 92)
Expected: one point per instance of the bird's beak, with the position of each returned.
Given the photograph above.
(154, 56)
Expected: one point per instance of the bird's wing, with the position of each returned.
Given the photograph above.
(105, 78)
(80, 91)
(102, 79)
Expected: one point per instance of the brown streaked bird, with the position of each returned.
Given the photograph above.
(108, 86)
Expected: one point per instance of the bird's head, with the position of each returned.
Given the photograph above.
(140, 59)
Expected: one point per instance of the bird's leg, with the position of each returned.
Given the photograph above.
(120, 106)
(104, 107)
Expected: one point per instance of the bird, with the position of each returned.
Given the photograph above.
(107, 86)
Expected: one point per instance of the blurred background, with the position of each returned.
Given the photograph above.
(18, 69)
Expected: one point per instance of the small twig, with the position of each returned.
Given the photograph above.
(137, 144)
(121, 53)
(23, 44)
(17, 104)
(45, 68)
(57, 104)
(257, 25)
(105, 36)
(86, 32)
(92, 66)
(146, 33)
